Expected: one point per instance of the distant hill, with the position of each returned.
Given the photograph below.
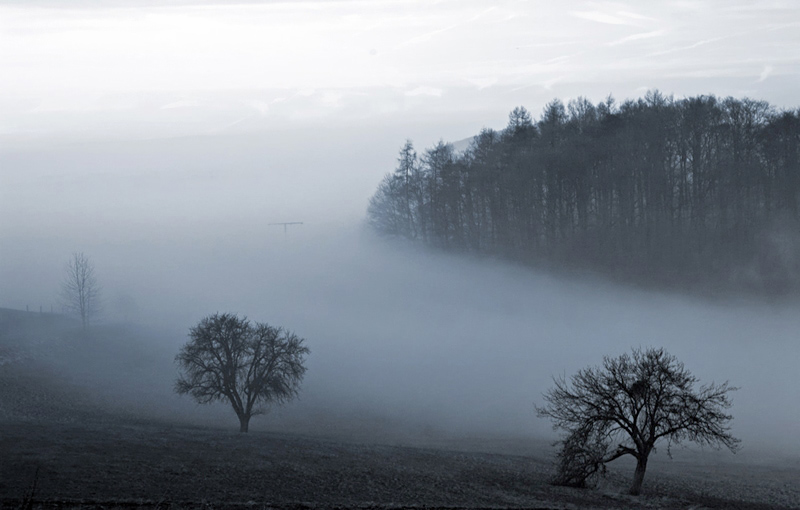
(461, 146)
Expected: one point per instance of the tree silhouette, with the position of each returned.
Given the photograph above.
(250, 366)
(80, 292)
(633, 401)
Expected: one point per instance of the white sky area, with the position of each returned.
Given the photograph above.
(138, 69)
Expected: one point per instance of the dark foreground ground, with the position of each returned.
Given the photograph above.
(64, 447)
(124, 465)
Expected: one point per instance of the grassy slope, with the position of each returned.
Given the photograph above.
(88, 455)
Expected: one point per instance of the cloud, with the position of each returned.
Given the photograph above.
(634, 15)
(69, 102)
(429, 35)
(548, 84)
(182, 103)
(482, 82)
(261, 106)
(425, 91)
(550, 44)
(332, 98)
(559, 59)
(684, 48)
(637, 37)
(229, 125)
(600, 17)
(765, 73)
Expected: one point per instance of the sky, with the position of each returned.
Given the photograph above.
(125, 69)
(163, 138)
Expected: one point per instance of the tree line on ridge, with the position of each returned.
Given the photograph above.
(695, 189)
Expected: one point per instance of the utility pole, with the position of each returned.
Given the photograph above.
(285, 224)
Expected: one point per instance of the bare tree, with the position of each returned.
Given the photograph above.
(80, 291)
(633, 401)
(248, 365)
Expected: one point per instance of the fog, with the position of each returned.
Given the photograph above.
(401, 338)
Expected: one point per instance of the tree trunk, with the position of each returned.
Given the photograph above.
(638, 475)
(244, 422)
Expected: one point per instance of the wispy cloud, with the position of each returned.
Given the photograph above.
(559, 59)
(548, 84)
(684, 48)
(550, 44)
(600, 17)
(425, 91)
(181, 103)
(229, 125)
(765, 73)
(637, 37)
(429, 35)
(634, 15)
(482, 82)
(261, 106)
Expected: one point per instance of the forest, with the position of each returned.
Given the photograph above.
(700, 190)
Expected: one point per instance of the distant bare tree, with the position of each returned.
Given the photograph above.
(80, 292)
(248, 365)
(634, 401)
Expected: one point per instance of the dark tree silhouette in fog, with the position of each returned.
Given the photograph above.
(633, 401)
(80, 292)
(654, 188)
(249, 365)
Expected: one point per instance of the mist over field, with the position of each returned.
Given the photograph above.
(454, 204)
(405, 342)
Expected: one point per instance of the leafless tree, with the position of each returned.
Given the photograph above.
(227, 358)
(633, 401)
(80, 292)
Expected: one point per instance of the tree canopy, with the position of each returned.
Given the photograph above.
(692, 189)
(629, 405)
(249, 365)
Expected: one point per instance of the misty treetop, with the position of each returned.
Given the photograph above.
(689, 188)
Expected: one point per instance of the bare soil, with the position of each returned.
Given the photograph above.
(116, 464)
